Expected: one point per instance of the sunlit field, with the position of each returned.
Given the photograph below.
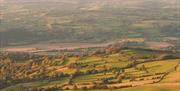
(89, 45)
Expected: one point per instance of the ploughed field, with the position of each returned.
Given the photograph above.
(123, 70)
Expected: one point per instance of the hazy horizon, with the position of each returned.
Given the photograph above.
(88, 21)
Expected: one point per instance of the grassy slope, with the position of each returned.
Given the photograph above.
(152, 67)
(169, 83)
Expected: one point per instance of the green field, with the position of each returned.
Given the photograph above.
(132, 66)
(89, 45)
